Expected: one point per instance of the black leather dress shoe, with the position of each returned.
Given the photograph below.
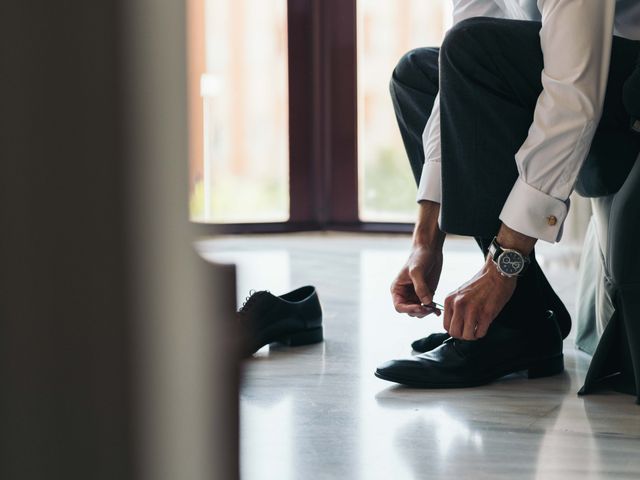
(434, 340)
(427, 344)
(462, 363)
(292, 319)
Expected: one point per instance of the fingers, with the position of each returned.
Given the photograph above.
(429, 309)
(406, 301)
(463, 319)
(470, 324)
(402, 306)
(424, 293)
(411, 295)
(456, 329)
(448, 311)
(460, 317)
(470, 310)
(415, 309)
(404, 297)
(483, 325)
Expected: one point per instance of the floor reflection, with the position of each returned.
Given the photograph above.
(267, 431)
(318, 412)
(487, 433)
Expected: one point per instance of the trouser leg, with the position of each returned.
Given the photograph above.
(490, 81)
(413, 88)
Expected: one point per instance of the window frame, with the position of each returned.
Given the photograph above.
(323, 124)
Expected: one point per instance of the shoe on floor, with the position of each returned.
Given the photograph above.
(292, 319)
(462, 363)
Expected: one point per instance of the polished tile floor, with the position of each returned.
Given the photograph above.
(317, 412)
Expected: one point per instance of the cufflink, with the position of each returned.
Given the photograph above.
(552, 220)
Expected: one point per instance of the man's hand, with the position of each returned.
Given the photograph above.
(469, 310)
(417, 281)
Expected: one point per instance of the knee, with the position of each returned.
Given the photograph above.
(464, 40)
(414, 67)
(406, 67)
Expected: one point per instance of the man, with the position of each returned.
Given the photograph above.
(496, 124)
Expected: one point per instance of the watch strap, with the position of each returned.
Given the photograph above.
(495, 250)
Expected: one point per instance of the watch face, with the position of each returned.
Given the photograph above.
(511, 263)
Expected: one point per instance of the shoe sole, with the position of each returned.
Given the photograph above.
(535, 369)
(298, 339)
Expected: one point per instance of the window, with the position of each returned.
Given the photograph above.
(386, 30)
(340, 163)
(243, 175)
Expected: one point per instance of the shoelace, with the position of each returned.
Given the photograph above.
(460, 346)
(250, 299)
(434, 305)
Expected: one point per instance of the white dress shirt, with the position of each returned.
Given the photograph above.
(576, 38)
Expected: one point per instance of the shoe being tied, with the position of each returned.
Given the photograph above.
(430, 342)
(434, 340)
(292, 319)
(502, 351)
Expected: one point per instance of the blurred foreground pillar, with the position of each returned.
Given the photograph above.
(115, 359)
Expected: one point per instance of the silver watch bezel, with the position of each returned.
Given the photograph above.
(499, 267)
(496, 249)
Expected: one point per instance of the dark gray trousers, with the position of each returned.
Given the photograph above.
(488, 74)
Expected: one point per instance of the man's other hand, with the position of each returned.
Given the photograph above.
(469, 310)
(413, 289)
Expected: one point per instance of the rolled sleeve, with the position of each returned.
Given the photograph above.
(430, 187)
(534, 213)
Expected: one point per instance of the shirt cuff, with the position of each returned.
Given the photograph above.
(430, 186)
(534, 213)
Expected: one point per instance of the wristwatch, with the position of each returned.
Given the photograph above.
(509, 263)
